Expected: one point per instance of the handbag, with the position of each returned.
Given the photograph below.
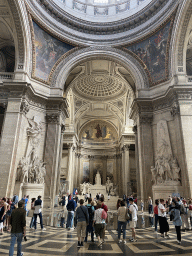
(30, 213)
(127, 215)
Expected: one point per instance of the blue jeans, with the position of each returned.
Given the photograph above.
(150, 208)
(32, 222)
(70, 217)
(156, 221)
(35, 220)
(19, 237)
(122, 225)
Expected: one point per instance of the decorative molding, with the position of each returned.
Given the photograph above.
(183, 35)
(19, 31)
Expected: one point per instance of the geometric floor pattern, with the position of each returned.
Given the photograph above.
(57, 241)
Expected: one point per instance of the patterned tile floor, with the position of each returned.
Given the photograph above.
(57, 241)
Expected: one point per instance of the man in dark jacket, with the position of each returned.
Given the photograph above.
(71, 208)
(18, 228)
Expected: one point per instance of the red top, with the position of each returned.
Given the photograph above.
(155, 209)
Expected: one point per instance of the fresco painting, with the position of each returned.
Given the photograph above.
(152, 51)
(48, 50)
(85, 171)
(99, 131)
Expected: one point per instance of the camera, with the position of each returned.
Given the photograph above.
(25, 238)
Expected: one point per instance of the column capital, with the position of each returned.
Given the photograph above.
(53, 118)
(24, 108)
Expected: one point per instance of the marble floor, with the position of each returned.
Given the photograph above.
(58, 241)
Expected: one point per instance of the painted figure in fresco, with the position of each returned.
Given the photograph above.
(99, 133)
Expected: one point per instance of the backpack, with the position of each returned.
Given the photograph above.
(90, 212)
(190, 207)
(104, 215)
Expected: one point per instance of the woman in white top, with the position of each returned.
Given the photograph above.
(164, 226)
(122, 222)
(99, 224)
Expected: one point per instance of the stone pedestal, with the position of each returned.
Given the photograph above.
(163, 191)
(33, 190)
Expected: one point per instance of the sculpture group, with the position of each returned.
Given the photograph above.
(165, 170)
(33, 172)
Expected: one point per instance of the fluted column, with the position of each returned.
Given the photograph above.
(125, 168)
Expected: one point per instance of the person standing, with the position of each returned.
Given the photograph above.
(82, 220)
(91, 211)
(99, 224)
(133, 210)
(2, 216)
(150, 205)
(122, 222)
(156, 214)
(38, 211)
(175, 212)
(71, 206)
(15, 199)
(33, 209)
(164, 226)
(18, 228)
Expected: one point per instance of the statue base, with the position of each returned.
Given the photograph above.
(31, 189)
(164, 191)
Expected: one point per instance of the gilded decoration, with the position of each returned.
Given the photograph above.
(98, 133)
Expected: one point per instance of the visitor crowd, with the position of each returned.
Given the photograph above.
(91, 216)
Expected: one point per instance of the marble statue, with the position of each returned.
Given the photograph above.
(85, 188)
(98, 178)
(109, 185)
(176, 170)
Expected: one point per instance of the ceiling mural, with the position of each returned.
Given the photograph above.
(47, 52)
(98, 133)
(153, 53)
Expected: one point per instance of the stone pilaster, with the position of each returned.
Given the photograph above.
(142, 114)
(55, 116)
(104, 158)
(91, 158)
(125, 168)
(9, 139)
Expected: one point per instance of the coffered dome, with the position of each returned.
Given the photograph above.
(99, 85)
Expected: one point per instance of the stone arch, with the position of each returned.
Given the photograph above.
(21, 34)
(65, 65)
(181, 31)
